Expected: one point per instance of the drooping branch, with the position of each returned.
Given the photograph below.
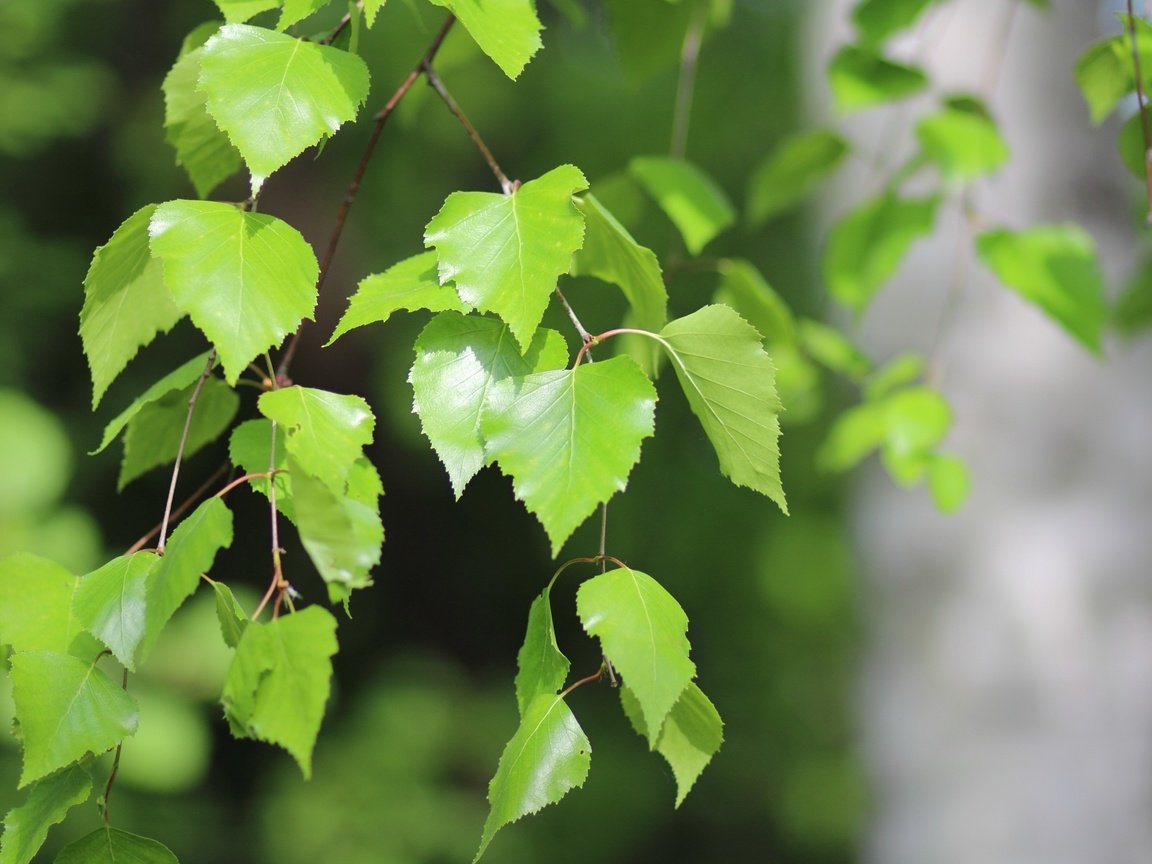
(434, 80)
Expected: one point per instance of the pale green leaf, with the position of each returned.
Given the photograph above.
(866, 246)
(643, 632)
(690, 198)
(247, 280)
(112, 846)
(66, 708)
(962, 140)
(297, 10)
(233, 620)
(341, 535)
(1130, 145)
(201, 147)
(547, 757)
(798, 383)
(948, 482)
(36, 606)
(1055, 267)
(855, 434)
(508, 31)
(744, 289)
(249, 447)
(729, 381)
(326, 431)
(278, 684)
(569, 438)
(111, 603)
(900, 370)
(411, 284)
(690, 737)
(239, 11)
(832, 350)
(48, 802)
(917, 420)
(876, 20)
(290, 96)
(458, 361)
(372, 9)
(542, 668)
(789, 171)
(860, 77)
(153, 434)
(505, 252)
(1105, 72)
(125, 302)
(909, 424)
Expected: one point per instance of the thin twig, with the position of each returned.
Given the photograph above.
(179, 511)
(1145, 125)
(341, 24)
(255, 475)
(433, 79)
(115, 761)
(686, 85)
(585, 336)
(180, 450)
(354, 186)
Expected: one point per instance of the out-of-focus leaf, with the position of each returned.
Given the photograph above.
(1104, 69)
(862, 78)
(876, 20)
(832, 350)
(690, 198)
(36, 605)
(949, 482)
(962, 140)
(744, 289)
(790, 170)
(900, 370)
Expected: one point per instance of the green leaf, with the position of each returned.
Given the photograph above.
(861, 78)
(508, 31)
(744, 289)
(855, 434)
(201, 148)
(125, 304)
(1130, 145)
(66, 708)
(246, 279)
(291, 95)
(648, 34)
(279, 681)
(249, 448)
(918, 419)
(36, 605)
(547, 757)
(153, 434)
(569, 438)
(458, 361)
(609, 253)
(690, 737)
(789, 171)
(643, 632)
(949, 482)
(1104, 70)
(962, 140)
(505, 252)
(798, 383)
(908, 424)
(239, 11)
(1055, 267)
(542, 668)
(112, 846)
(1133, 310)
(233, 620)
(341, 535)
(111, 603)
(830, 348)
(729, 382)
(298, 10)
(690, 198)
(371, 9)
(866, 246)
(876, 20)
(900, 370)
(48, 802)
(411, 285)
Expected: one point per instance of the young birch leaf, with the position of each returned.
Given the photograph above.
(508, 31)
(249, 449)
(239, 11)
(692, 733)
(48, 802)
(962, 140)
(201, 148)
(1055, 267)
(291, 95)
(111, 602)
(112, 846)
(861, 78)
(643, 632)
(547, 757)
(690, 198)
(868, 243)
(327, 432)
(371, 9)
(297, 10)
(1104, 70)
(505, 252)
(411, 284)
(832, 350)
(246, 279)
(730, 384)
(458, 361)
(876, 20)
(125, 303)
(279, 681)
(36, 605)
(948, 481)
(569, 438)
(66, 708)
(789, 171)
(154, 433)
(542, 668)
(744, 289)
(233, 620)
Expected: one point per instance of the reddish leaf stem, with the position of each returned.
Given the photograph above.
(608, 334)
(180, 450)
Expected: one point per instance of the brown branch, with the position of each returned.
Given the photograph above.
(179, 511)
(507, 185)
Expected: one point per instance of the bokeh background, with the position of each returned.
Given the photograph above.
(896, 685)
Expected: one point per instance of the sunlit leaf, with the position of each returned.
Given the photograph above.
(48, 802)
(125, 302)
(876, 20)
(861, 78)
(729, 382)
(569, 438)
(239, 11)
(111, 603)
(1104, 70)
(542, 668)
(36, 605)
(297, 10)
(1055, 267)
(247, 280)
(744, 289)
(643, 632)
(690, 198)
(292, 94)
(372, 9)
(505, 252)
(411, 284)
(547, 757)
(508, 31)
(66, 707)
(279, 681)
(789, 171)
(458, 361)
(112, 846)
(962, 140)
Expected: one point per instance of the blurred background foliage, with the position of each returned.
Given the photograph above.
(424, 701)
